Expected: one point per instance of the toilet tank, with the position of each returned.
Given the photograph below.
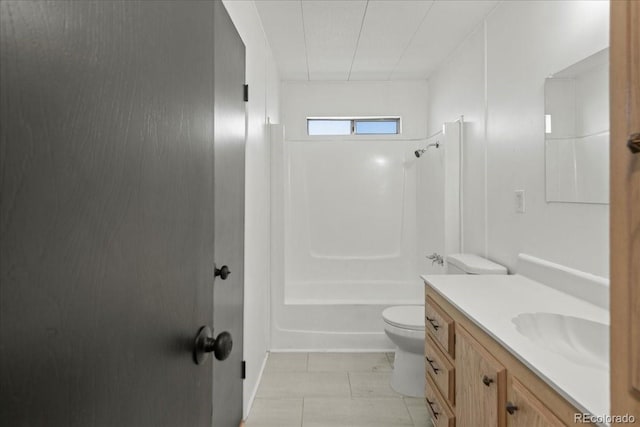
(472, 264)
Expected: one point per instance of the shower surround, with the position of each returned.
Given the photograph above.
(352, 221)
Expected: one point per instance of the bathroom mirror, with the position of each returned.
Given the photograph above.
(576, 118)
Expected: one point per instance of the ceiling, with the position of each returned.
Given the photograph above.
(343, 40)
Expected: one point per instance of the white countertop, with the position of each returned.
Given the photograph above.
(491, 302)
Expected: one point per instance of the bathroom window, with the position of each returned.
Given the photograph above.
(330, 126)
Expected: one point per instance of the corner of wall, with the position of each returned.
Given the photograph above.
(263, 80)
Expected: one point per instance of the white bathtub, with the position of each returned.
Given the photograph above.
(353, 293)
(339, 316)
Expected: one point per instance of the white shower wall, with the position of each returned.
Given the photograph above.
(349, 215)
(351, 222)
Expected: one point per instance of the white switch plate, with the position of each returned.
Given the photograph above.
(520, 201)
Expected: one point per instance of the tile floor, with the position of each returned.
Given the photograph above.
(332, 390)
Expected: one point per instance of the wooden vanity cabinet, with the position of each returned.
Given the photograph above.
(477, 382)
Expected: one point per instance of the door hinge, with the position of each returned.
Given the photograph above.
(244, 369)
(246, 93)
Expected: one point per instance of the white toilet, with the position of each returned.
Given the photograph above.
(404, 325)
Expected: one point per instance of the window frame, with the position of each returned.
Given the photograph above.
(354, 120)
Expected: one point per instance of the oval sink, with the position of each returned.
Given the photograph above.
(579, 340)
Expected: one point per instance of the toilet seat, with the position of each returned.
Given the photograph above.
(405, 317)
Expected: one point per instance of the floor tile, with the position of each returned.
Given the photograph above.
(304, 384)
(287, 362)
(418, 411)
(333, 412)
(275, 413)
(348, 362)
(370, 384)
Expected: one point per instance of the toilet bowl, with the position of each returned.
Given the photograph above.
(404, 325)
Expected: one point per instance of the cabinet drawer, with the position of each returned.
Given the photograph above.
(440, 325)
(439, 369)
(439, 411)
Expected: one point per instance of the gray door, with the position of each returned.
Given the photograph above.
(106, 221)
(229, 216)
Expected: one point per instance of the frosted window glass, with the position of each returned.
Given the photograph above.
(378, 127)
(329, 127)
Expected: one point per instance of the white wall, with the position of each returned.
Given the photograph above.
(262, 78)
(496, 80)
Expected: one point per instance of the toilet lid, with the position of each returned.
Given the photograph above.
(405, 316)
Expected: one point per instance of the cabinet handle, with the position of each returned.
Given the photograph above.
(511, 408)
(634, 143)
(487, 381)
(431, 363)
(433, 411)
(433, 322)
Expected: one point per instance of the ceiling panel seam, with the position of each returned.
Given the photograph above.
(468, 35)
(267, 42)
(413, 36)
(355, 51)
(306, 48)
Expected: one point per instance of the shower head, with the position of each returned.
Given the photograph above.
(421, 151)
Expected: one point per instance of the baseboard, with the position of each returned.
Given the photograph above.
(254, 392)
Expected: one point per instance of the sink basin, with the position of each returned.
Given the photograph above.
(579, 340)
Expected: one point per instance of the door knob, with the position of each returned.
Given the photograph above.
(205, 343)
(223, 272)
(511, 408)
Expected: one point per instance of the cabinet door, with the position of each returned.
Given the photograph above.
(525, 410)
(480, 384)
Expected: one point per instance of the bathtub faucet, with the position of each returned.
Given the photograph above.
(435, 258)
